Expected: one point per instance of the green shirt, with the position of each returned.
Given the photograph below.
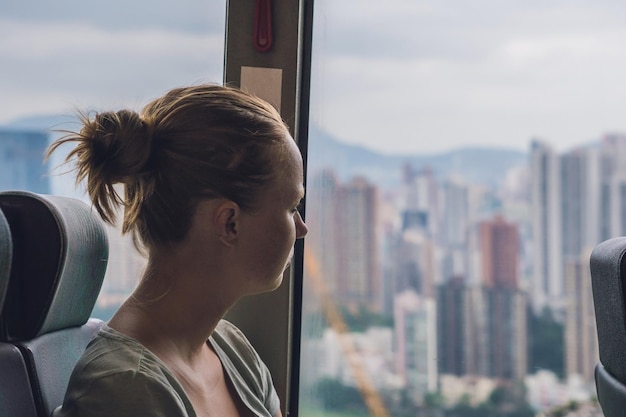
(117, 376)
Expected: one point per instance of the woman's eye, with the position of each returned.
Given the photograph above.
(297, 208)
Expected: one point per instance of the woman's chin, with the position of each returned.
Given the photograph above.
(279, 279)
(271, 285)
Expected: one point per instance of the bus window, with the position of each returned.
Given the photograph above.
(59, 57)
(463, 160)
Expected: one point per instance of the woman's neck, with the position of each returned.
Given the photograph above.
(175, 308)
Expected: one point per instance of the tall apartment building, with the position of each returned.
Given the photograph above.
(22, 165)
(482, 331)
(451, 327)
(508, 333)
(455, 213)
(416, 343)
(421, 197)
(321, 241)
(506, 304)
(345, 240)
(456, 228)
(499, 249)
(547, 282)
(615, 203)
(581, 201)
(414, 264)
(476, 322)
(581, 338)
(613, 186)
(358, 266)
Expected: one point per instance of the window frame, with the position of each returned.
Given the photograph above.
(272, 321)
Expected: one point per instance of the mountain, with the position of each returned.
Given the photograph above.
(49, 122)
(485, 165)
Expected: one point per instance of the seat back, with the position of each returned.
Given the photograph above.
(60, 253)
(16, 398)
(608, 278)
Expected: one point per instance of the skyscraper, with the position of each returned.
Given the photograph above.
(345, 243)
(499, 248)
(580, 198)
(451, 327)
(581, 338)
(414, 262)
(421, 198)
(322, 240)
(22, 165)
(455, 230)
(416, 343)
(613, 186)
(506, 304)
(455, 213)
(507, 327)
(547, 283)
(358, 269)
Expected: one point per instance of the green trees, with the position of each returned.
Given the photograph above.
(505, 401)
(338, 396)
(546, 346)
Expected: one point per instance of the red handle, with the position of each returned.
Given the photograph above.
(263, 25)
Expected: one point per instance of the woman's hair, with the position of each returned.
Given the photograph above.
(193, 143)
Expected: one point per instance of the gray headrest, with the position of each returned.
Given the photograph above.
(60, 253)
(6, 256)
(608, 275)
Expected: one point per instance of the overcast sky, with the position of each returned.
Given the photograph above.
(394, 75)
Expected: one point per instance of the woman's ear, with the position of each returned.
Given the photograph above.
(227, 222)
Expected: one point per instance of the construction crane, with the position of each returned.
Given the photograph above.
(365, 386)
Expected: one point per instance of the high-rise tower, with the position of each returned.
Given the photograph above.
(547, 283)
(22, 165)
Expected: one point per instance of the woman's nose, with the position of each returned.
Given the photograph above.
(301, 227)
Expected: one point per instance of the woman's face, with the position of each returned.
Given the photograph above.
(269, 230)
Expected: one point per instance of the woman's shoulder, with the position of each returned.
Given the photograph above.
(116, 373)
(228, 330)
(229, 338)
(112, 352)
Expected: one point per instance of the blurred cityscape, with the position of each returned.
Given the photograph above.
(459, 296)
(433, 287)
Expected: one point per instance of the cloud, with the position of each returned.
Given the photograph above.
(51, 67)
(191, 16)
(400, 77)
(397, 75)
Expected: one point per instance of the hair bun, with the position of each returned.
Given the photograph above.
(121, 145)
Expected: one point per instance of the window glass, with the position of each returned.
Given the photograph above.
(464, 158)
(62, 56)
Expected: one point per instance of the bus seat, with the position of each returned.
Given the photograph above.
(60, 253)
(608, 278)
(16, 398)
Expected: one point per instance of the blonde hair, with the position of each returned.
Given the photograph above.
(193, 143)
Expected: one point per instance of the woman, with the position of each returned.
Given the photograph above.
(212, 182)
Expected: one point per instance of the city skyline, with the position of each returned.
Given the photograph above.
(484, 327)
